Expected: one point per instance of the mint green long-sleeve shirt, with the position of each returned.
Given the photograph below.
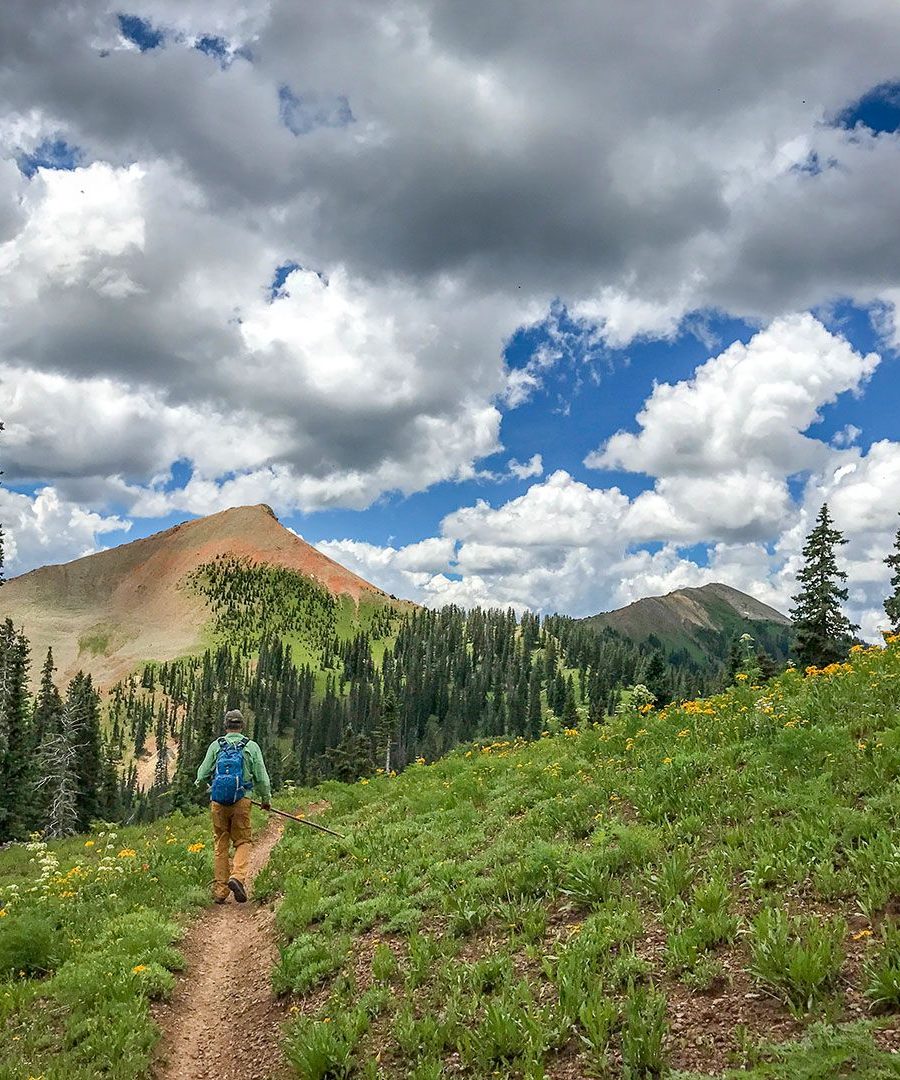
(254, 766)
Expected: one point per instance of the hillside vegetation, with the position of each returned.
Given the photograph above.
(700, 625)
(706, 889)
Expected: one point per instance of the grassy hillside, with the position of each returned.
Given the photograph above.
(672, 890)
(709, 889)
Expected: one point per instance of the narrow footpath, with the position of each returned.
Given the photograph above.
(223, 1020)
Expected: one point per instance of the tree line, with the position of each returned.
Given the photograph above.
(327, 698)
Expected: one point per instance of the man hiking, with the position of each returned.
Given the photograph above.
(237, 767)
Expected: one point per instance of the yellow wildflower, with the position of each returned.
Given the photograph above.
(364, 781)
(667, 761)
(742, 676)
(127, 853)
(860, 934)
(196, 847)
(138, 968)
(89, 843)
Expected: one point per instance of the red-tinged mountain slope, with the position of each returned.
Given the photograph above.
(106, 613)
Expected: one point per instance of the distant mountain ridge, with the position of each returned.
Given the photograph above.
(110, 611)
(700, 622)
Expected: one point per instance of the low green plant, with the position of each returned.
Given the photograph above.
(598, 1018)
(28, 945)
(384, 963)
(643, 1033)
(585, 880)
(673, 877)
(321, 1049)
(300, 905)
(425, 1036)
(882, 972)
(798, 957)
(308, 960)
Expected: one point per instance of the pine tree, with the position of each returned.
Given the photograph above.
(17, 793)
(84, 702)
(570, 716)
(534, 702)
(892, 604)
(48, 705)
(824, 633)
(1, 543)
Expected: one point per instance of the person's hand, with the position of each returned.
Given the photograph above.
(266, 806)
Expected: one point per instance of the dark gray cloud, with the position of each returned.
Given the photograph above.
(451, 167)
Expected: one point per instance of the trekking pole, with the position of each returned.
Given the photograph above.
(301, 820)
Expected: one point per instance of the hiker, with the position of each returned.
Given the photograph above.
(236, 764)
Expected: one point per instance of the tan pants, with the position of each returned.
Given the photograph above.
(231, 825)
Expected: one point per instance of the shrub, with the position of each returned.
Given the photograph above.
(28, 943)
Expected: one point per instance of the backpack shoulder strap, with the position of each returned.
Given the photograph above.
(243, 743)
(223, 745)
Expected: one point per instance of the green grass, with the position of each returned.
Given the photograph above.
(525, 910)
(519, 889)
(97, 642)
(88, 938)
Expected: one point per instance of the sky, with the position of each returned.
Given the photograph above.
(493, 303)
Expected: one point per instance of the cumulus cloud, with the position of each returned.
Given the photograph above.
(564, 545)
(723, 443)
(45, 528)
(430, 177)
(437, 187)
(522, 470)
(748, 406)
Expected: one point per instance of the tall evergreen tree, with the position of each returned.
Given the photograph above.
(17, 794)
(824, 633)
(84, 702)
(892, 604)
(1, 539)
(48, 705)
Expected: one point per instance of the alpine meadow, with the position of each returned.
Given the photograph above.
(450, 540)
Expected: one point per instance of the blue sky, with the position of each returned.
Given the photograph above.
(491, 306)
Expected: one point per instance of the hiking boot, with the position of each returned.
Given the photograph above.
(240, 893)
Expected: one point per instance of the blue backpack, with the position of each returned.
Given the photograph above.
(228, 784)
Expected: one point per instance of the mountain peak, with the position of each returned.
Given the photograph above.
(109, 611)
(700, 620)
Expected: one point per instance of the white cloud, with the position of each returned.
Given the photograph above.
(564, 545)
(44, 528)
(723, 443)
(452, 210)
(522, 470)
(748, 406)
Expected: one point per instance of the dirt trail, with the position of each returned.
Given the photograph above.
(223, 1020)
